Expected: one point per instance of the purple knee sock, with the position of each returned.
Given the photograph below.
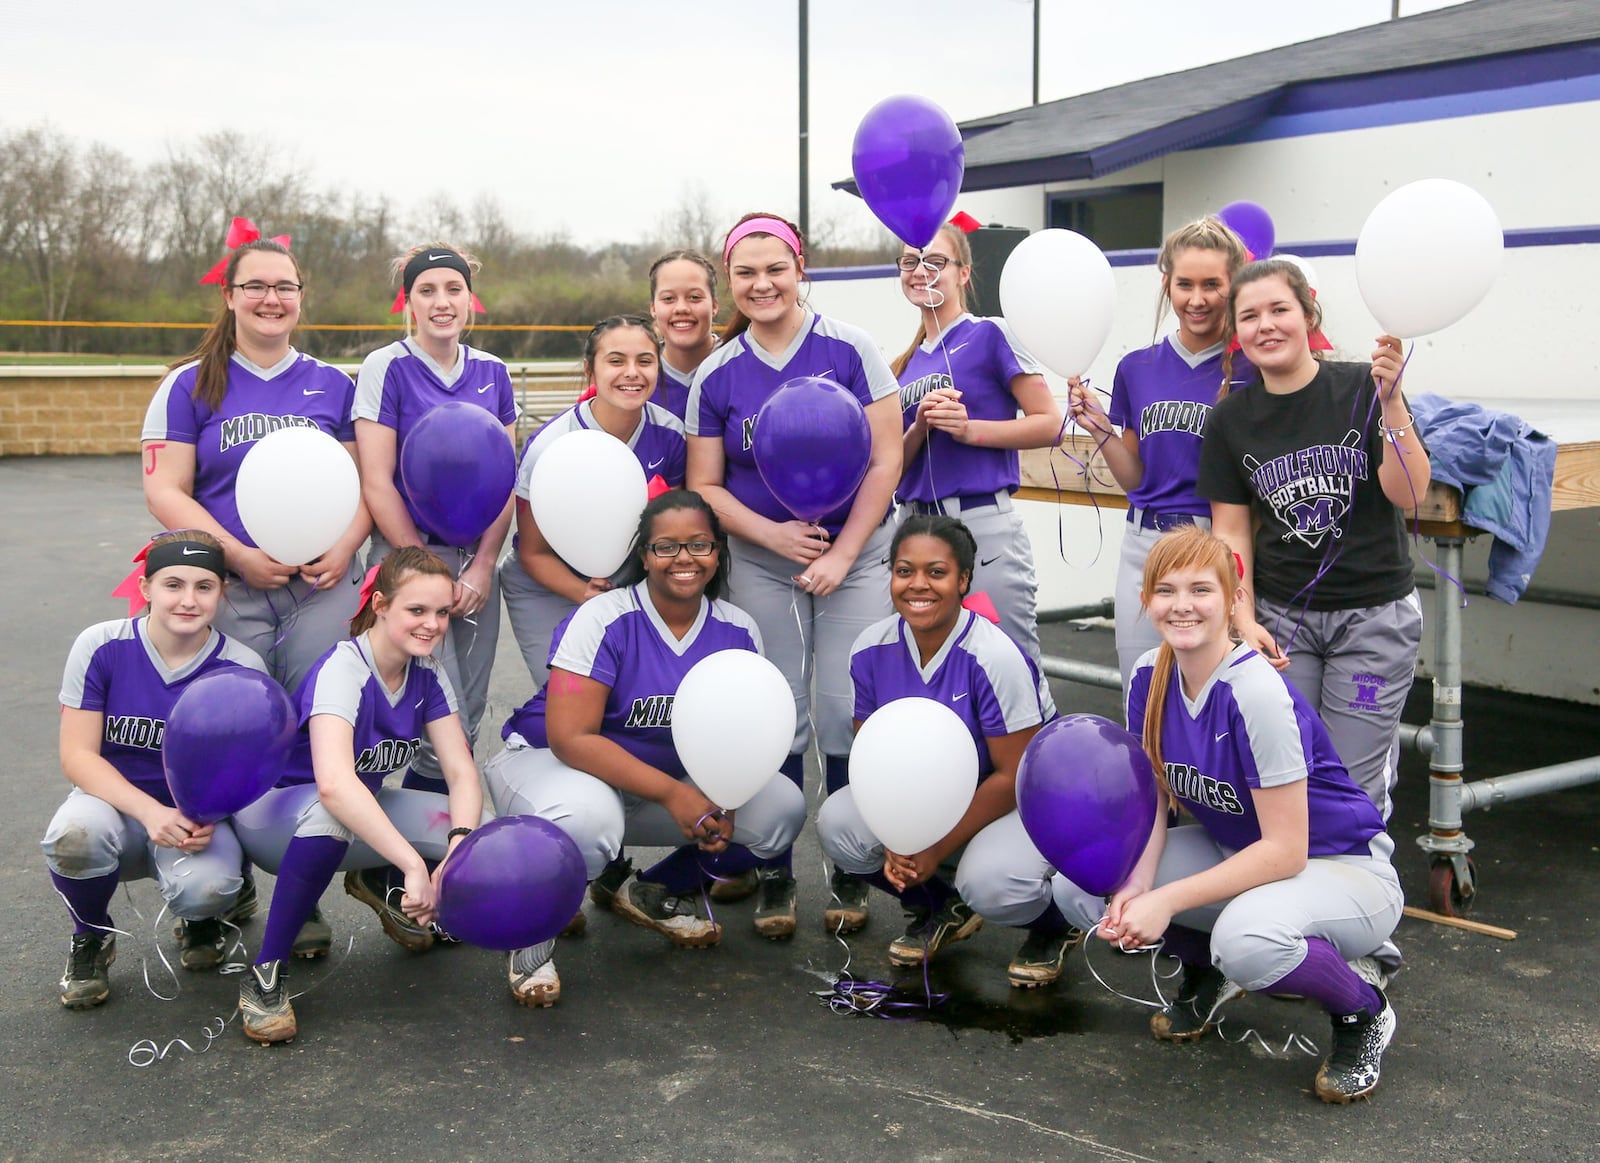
(836, 772)
(88, 900)
(1190, 946)
(1324, 977)
(793, 768)
(931, 894)
(1048, 923)
(308, 866)
(682, 871)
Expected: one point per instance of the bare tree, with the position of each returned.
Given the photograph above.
(695, 222)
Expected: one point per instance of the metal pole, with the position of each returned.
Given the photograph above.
(805, 146)
(1036, 4)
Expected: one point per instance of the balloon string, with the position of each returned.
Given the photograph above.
(284, 622)
(1416, 502)
(1087, 474)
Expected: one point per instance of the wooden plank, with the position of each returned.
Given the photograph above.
(1461, 923)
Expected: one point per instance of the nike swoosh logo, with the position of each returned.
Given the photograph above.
(484, 389)
(1220, 737)
(958, 347)
(991, 561)
(187, 552)
(436, 258)
(421, 701)
(959, 697)
(654, 464)
(824, 374)
(312, 391)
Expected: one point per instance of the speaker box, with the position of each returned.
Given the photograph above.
(991, 246)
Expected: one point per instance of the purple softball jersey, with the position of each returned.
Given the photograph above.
(389, 725)
(114, 669)
(619, 639)
(978, 358)
(1251, 729)
(979, 673)
(297, 392)
(399, 384)
(740, 376)
(1164, 393)
(672, 390)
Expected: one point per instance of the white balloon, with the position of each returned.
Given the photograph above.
(297, 491)
(913, 769)
(1309, 271)
(733, 723)
(586, 492)
(1058, 295)
(1427, 256)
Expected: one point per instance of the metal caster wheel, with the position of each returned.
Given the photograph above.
(1453, 886)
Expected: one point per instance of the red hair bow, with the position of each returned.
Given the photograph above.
(982, 605)
(965, 222)
(240, 231)
(400, 303)
(368, 583)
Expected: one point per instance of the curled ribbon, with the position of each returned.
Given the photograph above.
(240, 231)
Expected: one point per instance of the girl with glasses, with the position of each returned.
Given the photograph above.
(592, 752)
(622, 359)
(812, 588)
(970, 399)
(242, 382)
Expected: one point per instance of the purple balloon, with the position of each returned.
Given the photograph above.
(908, 160)
(458, 470)
(514, 882)
(1087, 797)
(226, 741)
(812, 444)
(1253, 225)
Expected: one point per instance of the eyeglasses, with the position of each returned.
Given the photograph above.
(255, 290)
(934, 262)
(671, 548)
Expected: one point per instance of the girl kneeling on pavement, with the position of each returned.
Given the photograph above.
(1285, 879)
(592, 752)
(119, 823)
(364, 709)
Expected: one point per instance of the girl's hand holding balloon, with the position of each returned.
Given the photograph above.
(1084, 408)
(1255, 635)
(799, 541)
(1388, 361)
(472, 587)
(326, 571)
(943, 411)
(908, 871)
(596, 587)
(826, 573)
(1138, 921)
(698, 818)
(170, 828)
(259, 571)
(419, 900)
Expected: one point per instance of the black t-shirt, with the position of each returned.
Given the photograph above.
(1307, 465)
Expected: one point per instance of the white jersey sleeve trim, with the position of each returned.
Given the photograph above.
(369, 381)
(340, 684)
(239, 654)
(75, 677)
(880, 380)
(586, 632)
(555, 428)
(432, 664)
(155, 416)
(725, 611)
(1006, 667)
(1273, 729)
(721, 355)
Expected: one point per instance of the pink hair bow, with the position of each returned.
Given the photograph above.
(400, 303)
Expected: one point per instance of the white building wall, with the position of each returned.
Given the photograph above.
(1530, 340)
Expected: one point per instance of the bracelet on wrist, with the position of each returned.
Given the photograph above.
(1396, 433)
(454, 832)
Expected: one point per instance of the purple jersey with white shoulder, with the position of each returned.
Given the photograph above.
(388, 725)
(1249, 728)
(1164, 393)
(619, 639)
(657, 442)
(978, 358)
(672, 390)
(296, 392)
(114, 669)
(400, 384)
(738, 377)
(979, 673)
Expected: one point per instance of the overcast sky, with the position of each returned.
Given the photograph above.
(590, 116)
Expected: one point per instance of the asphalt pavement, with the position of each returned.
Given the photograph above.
(726, 1054)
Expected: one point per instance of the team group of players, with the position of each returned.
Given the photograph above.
(1273, 545)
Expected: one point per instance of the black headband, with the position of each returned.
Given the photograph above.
(183, 553)
(430, 259)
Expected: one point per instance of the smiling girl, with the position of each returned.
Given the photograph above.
(242, 382)
(119, 823)
(364, 710)
(1160, 399)
(1285, 877)
(812, 588)
(592, 752)
(683, 302)
(622, 359)
(1309, 470)
(934, 648)
(398, 386)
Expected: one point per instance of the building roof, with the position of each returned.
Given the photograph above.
(1468, 47)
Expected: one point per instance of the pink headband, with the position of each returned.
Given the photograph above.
(776, 227)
